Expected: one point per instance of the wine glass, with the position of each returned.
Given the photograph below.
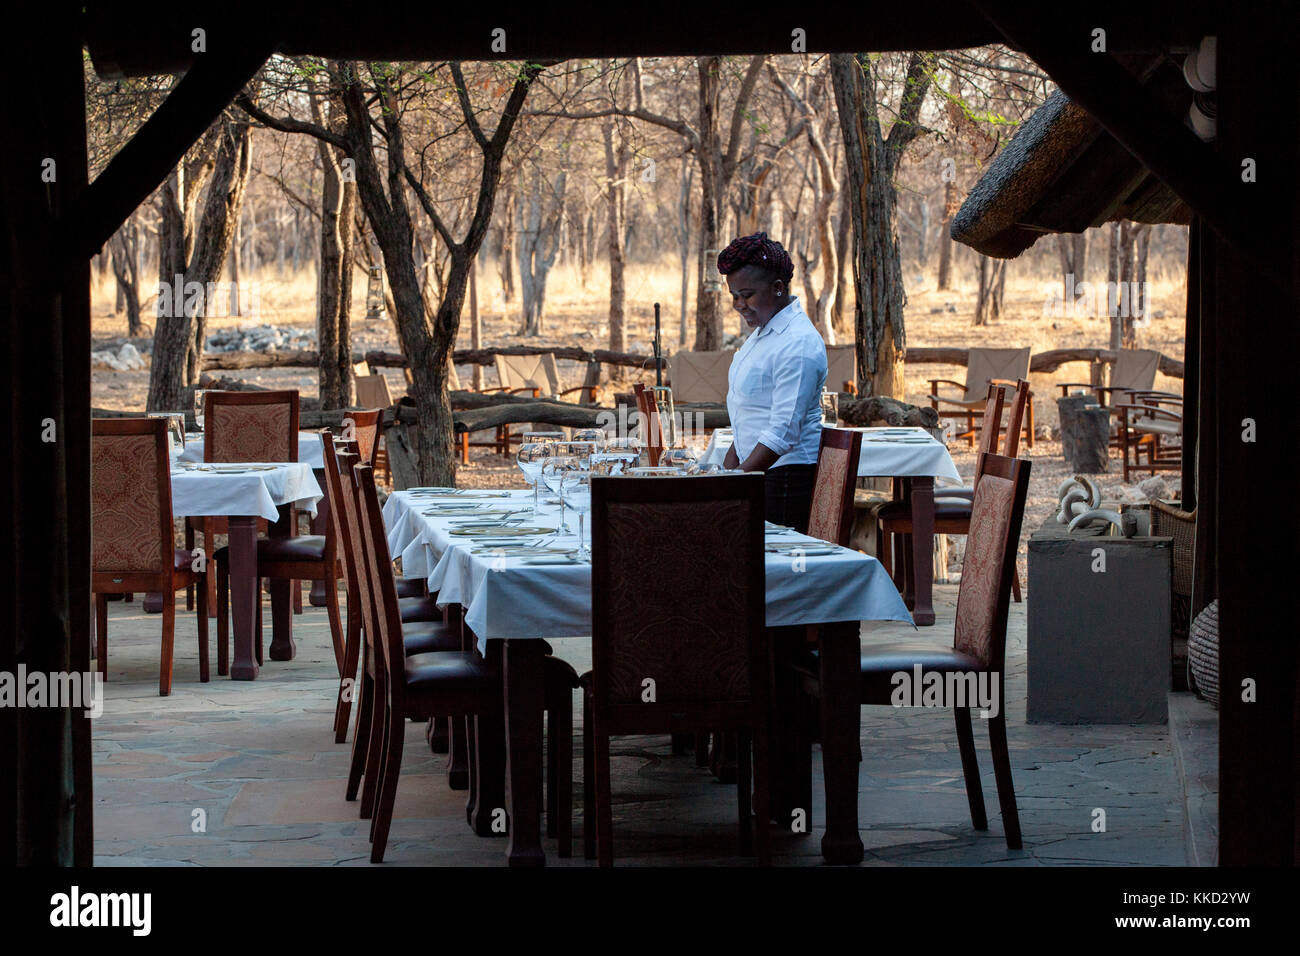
(575, 491)
(532, 456)
(554, 469)
(830, 403)
(199, 393)
(595, 435)
(577, 449)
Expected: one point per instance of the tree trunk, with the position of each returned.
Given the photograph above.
(329, 273)
(616, 172)
(124, 253)
(475, 325)
(708, 312)
(843, 256)
(1112, 286)
(945, 241)
(507, 257)
(684, 244)
(347, 253)
(877, 270)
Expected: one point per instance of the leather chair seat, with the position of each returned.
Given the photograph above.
(411, 588)
(300, 547)
(943, 508)
(419, 609)
(879, 662)
(451, 671)
(423, 637)
(1157, 426)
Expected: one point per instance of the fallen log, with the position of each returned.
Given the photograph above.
(571, 416)
(860, 412)
(381, 359)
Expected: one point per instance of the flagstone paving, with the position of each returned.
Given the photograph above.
(240, 773)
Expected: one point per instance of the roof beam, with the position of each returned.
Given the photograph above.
(158, 146)
(1141, 124)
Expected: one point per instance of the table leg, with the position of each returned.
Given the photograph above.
(524, 702)
(282, 645)
(320, 525)
(839, 652)
(243, 594)
(923, 549)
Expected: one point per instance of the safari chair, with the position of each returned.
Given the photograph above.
(842, 368)
(1151, 427)
(700, 376)
(983, 366)
(1133, 371)
(372, 392)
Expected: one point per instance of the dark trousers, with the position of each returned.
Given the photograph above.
(789, 495)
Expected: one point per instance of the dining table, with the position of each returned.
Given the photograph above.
(521, 588)
(915, 460)
(242, 493)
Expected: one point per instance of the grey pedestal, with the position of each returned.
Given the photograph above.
(1098, 641)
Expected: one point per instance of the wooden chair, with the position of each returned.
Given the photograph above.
(132, 535)
(1133, 372)
(423, 624)
(401, 686)
(696, 627)
(983, 367)
(366, 432)
(1150, 427)
(979, 636)
(372, 392)
(831, 517)
(952, 506)
(653, 426)
(244, 426)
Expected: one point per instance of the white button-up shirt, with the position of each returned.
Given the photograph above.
(774, 389)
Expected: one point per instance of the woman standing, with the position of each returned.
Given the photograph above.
(775, 382)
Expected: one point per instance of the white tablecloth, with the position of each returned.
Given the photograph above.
(879, 459)
(308, 449)
(506, 598)
(206, 493)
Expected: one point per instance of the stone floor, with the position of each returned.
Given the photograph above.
(247, 774)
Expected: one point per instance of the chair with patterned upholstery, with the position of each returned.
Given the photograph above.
(696, 627)
(831, 516)
(983, 367)
(952, 506)
(132, 536)
(979, 639)
(243, 426)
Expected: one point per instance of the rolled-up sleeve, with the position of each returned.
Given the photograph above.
(796, 385)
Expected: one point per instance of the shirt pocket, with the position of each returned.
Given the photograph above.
(754, 381)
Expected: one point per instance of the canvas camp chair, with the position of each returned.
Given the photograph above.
(1133, 373)
(842, 368)
(984, 366)
(699, 376)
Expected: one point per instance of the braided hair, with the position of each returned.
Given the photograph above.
(758, 251)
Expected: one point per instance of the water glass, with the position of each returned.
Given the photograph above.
(830, 408)
(553, 471)
(597, 436)
(199, 393)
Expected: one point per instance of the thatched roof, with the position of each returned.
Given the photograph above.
(1062, 172)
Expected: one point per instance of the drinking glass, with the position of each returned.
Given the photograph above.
(532, 456)
(175, 430)
(830, 408)
(545, 437)
(575, 491)
(626, 445)
(198, 406)
(595, 435)
(553, 471)
(577, 449)
(614, 463)
(680, 458)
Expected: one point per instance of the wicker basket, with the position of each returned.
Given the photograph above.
(1168, 521)
(1203, 652)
